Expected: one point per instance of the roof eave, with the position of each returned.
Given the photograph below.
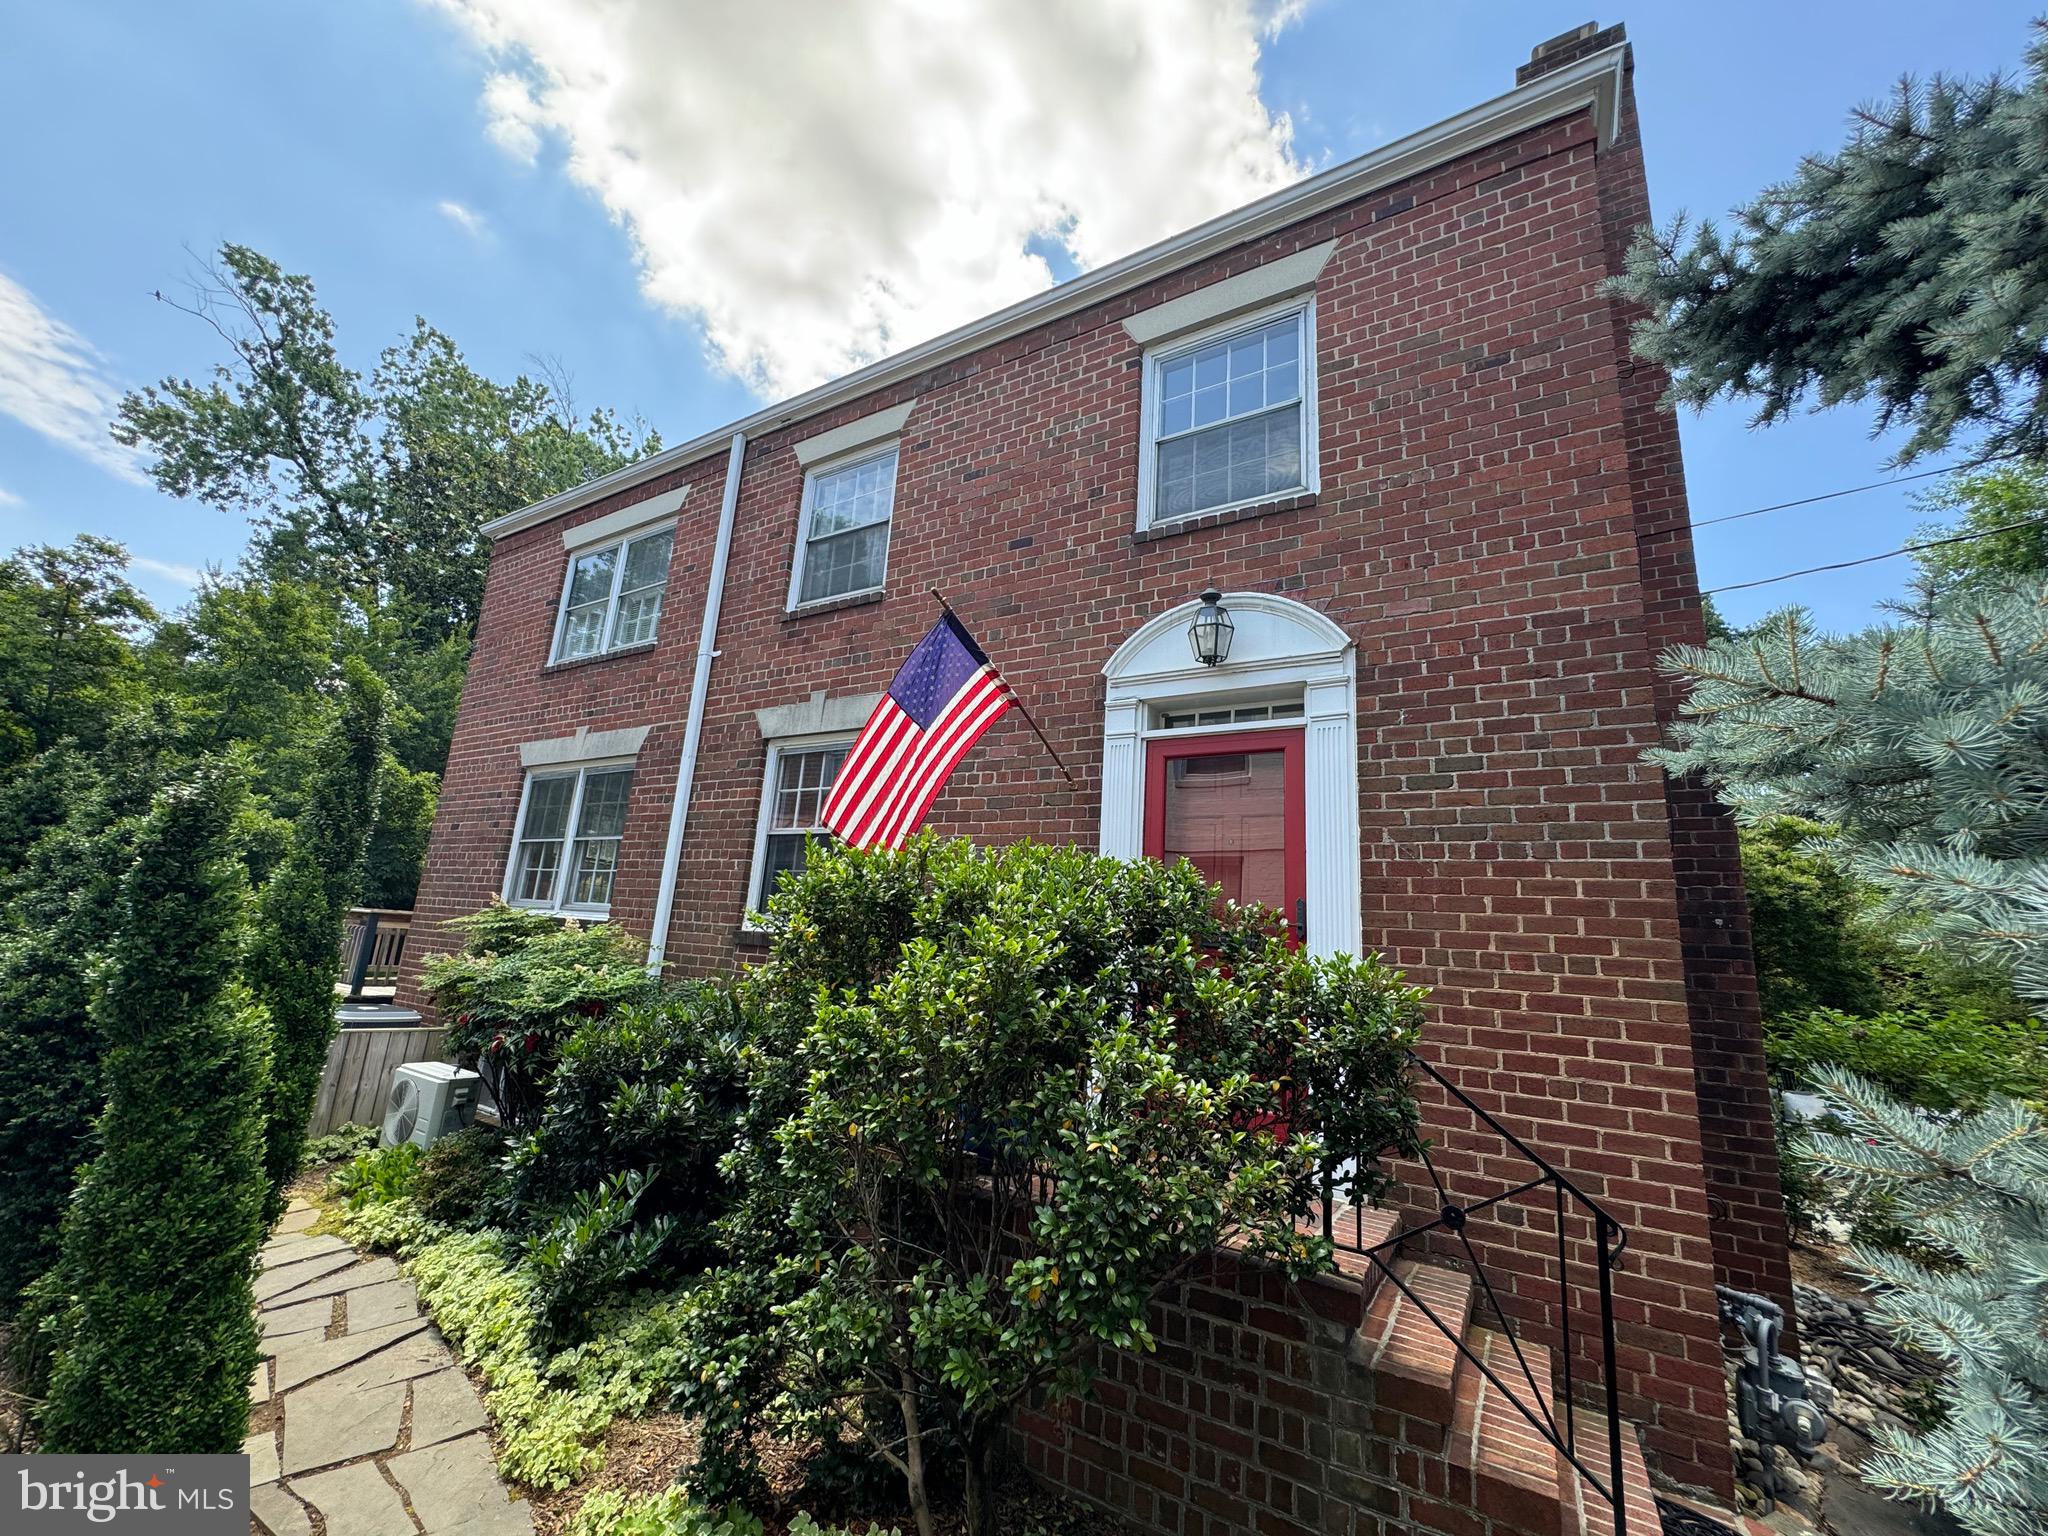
(1593, 82)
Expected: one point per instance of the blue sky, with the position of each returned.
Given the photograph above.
(639, 213)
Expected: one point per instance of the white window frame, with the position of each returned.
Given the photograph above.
(813, 473)
(564, 872)
(814, 741)
(611, 608)
(1156, 357)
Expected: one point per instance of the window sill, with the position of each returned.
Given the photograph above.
(565, 914)
(834, 604)
(568, 663)
(1294, 501)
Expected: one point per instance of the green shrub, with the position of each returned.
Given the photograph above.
(656, 1089)
(376, 1177)
(290, 964)
(458, 1179)
(671, 1512)
(551, 1410)
(60, 912)
(674, 1512)
(521, 984)
(1939, 1061)
(999, 1101)
(396, 1226)
(155, 1341)
(592, 1251)
(344, 1141)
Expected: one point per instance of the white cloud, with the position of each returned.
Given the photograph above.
(170, 570)
(54, 382)
(465, 218)
(820, 185)
(8, 498)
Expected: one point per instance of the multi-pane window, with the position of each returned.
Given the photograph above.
(1228, 419)
(799, 779)
(614, 595)
(845, 543)
(1230, 714)
(567, 849)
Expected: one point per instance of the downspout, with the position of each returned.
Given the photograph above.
(700, 688)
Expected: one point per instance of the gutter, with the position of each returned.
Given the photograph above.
(700, 688)
(1594, 82)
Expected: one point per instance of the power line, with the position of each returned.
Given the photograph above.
(1875, 485)
(1890, 554)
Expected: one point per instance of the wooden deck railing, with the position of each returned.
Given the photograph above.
(372, 948)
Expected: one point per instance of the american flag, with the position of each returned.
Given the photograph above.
(940, 702)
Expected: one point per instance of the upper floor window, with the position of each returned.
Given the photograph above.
(565, 849)
(1230, 417)
(612, 598)
(843, 549)
(800, 776)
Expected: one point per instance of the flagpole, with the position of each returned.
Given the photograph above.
(1058, 761)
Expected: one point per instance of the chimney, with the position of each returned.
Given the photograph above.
(1569, 48)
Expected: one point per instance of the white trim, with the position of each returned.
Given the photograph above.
(571, 833)
(868, 452)
(809, 742)
(606, 642)
(1593, 82)
(854, 434)
(1278, 643)
(819, 714)
(700, 691)
(1180, 346)
(1280, 278)
(634, 519)
(583, 747)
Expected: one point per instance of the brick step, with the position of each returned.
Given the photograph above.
(1354, 1229)
(1514, 1468)
(1594, 1516)
(1414, 1363)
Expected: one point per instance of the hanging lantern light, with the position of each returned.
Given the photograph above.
(1211, 630)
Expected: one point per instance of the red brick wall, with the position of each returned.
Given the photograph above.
(1744, 1196)
(1481, 532)
(1253, 1415)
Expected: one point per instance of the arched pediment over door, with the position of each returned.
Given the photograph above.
(1290, 666)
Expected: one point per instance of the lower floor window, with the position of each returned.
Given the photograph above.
(566, 850)
(793, 807)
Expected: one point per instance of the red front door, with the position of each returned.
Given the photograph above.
(1232, 806)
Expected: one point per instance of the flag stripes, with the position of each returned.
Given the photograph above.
(896, 768)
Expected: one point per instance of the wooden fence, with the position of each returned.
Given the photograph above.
(357, 1081)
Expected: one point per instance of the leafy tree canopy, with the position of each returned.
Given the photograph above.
(69, 619)
(373, 487)
(2002, 512)
(1908, 269)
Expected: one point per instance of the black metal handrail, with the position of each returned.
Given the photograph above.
(1610, 1238)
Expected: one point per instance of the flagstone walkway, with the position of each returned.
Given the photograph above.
(361, 1414)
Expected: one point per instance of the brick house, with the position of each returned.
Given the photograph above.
(1453, 545)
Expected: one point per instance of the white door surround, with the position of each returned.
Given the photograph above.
(1280, 647)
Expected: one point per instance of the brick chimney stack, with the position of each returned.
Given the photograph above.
(1569, 48)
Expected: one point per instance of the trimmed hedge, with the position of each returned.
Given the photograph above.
(152, 1315)
(291, 964)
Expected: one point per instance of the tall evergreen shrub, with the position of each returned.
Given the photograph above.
(57, 912)
(152, 1319)
(294, 957)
